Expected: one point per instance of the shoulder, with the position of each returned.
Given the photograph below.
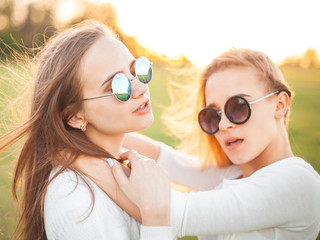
(287, 183)
(294, 168)
(289, 191)
(293, 182)
(66, 186)
(298, 186)
(71, 208)
(69, 192)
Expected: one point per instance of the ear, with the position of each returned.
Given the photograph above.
(282, 105)
(77, 120)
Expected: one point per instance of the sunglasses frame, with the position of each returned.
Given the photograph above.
(219, 113)
(130, 80)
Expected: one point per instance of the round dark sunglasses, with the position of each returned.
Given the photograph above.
(121, 84)
(237, 110)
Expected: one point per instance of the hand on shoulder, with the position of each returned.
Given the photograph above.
(147, 186)
(100, 173)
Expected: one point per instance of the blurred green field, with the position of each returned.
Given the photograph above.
(304, 129)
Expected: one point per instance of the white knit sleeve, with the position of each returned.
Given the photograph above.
(186, 170)
(158, 233)
(287, 197)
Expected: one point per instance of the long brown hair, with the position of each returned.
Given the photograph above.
(48, 140)
(182, 117)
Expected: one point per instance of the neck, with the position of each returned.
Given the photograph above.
(111, 143)
(93, 166)
(278, 149)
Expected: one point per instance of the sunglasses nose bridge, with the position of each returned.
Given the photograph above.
(132, 78)
(138, 88)
(224, 122)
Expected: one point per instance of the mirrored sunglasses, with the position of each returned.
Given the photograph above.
(121, 84)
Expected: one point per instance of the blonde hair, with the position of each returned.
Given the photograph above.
(181, 118)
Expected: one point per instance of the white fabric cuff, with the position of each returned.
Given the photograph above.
(158, 233)
(162, 155)
(178, 207)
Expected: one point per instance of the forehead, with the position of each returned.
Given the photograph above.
(106, 56)
(233, 81)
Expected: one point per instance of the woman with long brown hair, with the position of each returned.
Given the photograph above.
(88, 92)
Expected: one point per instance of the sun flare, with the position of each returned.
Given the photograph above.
(203, 29)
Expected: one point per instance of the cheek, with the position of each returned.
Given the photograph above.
(263, 117)
(219, 138)
(260, 129)
(108, 117)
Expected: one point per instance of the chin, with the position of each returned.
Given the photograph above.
(149, 122)
(237, 160)
(145, 123)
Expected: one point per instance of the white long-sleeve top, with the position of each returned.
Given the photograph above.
(279, 201)
(68, 215)
(186, 170)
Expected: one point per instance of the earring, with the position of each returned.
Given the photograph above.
(83, 127)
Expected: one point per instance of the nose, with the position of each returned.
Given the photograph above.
(138, 88)
(225, 123)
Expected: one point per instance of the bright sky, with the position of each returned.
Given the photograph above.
(203, 29)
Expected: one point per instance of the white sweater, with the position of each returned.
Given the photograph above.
(68, 215)
(280, 201)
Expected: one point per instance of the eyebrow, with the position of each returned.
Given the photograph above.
(112, 75)
(212, 105)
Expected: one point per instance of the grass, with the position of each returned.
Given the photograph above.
(304, 129)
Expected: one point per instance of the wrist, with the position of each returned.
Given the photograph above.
(155, 217)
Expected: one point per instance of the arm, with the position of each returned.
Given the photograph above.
(182, 168)
(187, 170)
(271, 199)
(275, 197)
(142, 144)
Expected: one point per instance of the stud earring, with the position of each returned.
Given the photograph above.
(83, 127)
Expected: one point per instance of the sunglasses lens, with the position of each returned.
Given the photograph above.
(237, 110)
(143, 70)
(209, 120)
(121, 87)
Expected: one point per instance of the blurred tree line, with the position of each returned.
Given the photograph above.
(309, 59)
(27, 25)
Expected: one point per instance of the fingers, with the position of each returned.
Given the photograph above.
(130, 155)
(148, 186)
(134, 158)
(119, 175)
(126, 169)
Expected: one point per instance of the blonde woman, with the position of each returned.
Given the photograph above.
(267, 192)
(88, 92)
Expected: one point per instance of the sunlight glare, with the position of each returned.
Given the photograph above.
(201, 30)
(66, 10)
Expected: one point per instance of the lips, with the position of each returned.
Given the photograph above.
(142, 106)
(233, 142)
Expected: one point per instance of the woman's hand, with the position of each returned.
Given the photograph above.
(147, 186)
